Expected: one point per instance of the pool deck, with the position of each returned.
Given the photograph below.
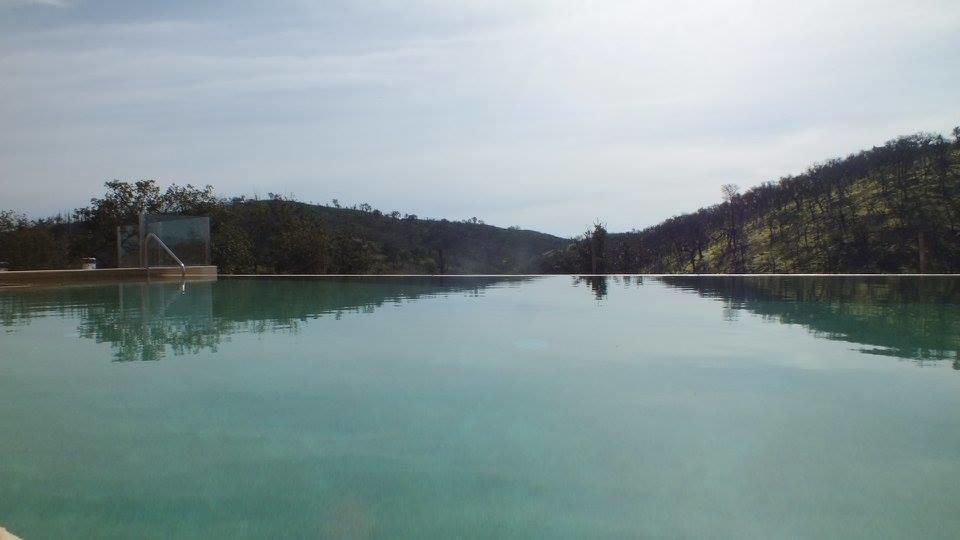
(46, 278)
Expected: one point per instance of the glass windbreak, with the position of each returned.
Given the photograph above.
(188, 237)
(128, 246)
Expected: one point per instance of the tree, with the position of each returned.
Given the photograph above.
(302, 249)
(188, 200)
(598, 243)
(734, 231)
(729, 191)
(11, 221)
(232, 249)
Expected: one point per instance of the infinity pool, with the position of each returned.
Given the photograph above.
(551, 407)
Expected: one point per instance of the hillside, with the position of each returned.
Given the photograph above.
(893, 208)
(278, 235)
(292, 237)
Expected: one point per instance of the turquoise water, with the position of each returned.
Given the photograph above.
(544, 407)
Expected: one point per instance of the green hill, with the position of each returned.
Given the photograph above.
(893, 208)
(292, 237)
(278, 235)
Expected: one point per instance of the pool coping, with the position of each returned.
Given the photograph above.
(45, 278)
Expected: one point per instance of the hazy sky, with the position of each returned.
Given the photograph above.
(546, 114)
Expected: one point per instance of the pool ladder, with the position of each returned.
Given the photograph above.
(146, 259)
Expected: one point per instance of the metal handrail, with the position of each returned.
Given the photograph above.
(146, 259)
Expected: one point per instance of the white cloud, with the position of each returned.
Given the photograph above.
(542, 114)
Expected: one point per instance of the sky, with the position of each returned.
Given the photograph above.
(546, 114)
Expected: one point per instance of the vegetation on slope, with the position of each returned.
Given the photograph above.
(277, 235)
(893, 208)
(324, 239)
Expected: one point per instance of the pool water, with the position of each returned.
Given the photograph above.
(550, 407)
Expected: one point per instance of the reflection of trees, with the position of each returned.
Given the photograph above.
(285, 302)
(143, 321)
(600, 284)
(915, 318)
(597, 284)
(149, 319)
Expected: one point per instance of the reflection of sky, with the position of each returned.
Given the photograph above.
(541, 113)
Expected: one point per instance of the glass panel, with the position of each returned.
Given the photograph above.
(128, 247)
(187, 236)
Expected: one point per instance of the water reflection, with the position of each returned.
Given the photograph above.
(912, 318)
(144, 321)
(599, 284)
(908, 317)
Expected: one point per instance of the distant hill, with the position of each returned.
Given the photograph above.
(293, 237)
(893, 208)
(278, 235)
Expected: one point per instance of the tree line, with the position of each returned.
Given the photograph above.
(892, 208)
(275, 235)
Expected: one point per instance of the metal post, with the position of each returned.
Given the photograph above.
(143, 238)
